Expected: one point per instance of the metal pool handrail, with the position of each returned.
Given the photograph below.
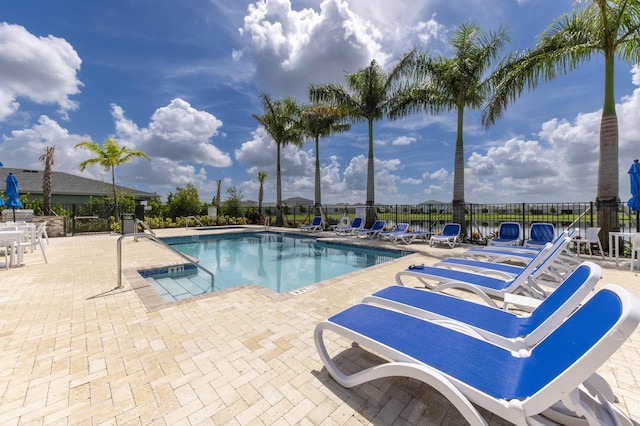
(162, 243)
(186, 221)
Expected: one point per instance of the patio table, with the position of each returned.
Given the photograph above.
(8, 239)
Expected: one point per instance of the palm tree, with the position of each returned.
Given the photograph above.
(322, 121)
(607, 27)
(459, 82)
(367, 97)
(261, 177)
(218, 182)
(281, 121)
(47, 179)
(109, 156)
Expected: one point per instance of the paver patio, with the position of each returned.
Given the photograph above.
(75, 350)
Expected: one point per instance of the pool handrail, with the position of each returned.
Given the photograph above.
(162, 243)
(186, 221)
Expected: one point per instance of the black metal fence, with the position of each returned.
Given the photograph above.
(482, 220)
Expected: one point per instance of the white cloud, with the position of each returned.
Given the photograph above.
(411, 181)
(41, 69)
(177, 131)
(293, 48)
(404, 140)
(23, 147)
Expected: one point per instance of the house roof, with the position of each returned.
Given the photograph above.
(30, 181)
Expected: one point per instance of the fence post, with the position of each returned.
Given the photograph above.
(524, 219)
(73, 219)
(591, 214)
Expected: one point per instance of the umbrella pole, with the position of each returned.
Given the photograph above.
(14, 214)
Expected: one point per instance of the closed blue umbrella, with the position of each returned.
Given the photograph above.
(12, 194)
(634, 174)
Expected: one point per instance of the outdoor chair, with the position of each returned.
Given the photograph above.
(314, 226)
(591, 237)
(556, 379)
(540, 234)
(499, 326)
(508, 235)
(450, 235)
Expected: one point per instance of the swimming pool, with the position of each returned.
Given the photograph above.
(279, 262)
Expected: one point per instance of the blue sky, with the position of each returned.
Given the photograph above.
(181, 80)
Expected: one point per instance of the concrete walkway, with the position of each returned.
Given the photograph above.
(75, 350)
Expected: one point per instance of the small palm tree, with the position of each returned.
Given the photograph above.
(322, 121)
(367, 97)
(109, 156)
(456, 83)
(610, 28)
(281, 121)
(261, 177)
(218, 183)
(47, 179)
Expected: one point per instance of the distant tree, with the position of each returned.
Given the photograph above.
(320, 121)
(281, 121)
(368, 95)
(109, 156)
(261, 177)
(185, 202)
(218, 183)
(233, 204)
(47, 178)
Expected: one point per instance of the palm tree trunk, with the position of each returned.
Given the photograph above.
(279, 215)
(371, 211)
(458, 204)
(607, 191)
(318, 201)
(115, 195)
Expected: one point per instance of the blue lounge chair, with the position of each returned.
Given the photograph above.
(509, 270)
(395, 233)
(508, 235)
(502, 328)
(357, 223)
(540, 234)
(378, 226)
(410, 237)
(550, 382)
(450, 235)
(527, 282)
(314, 226)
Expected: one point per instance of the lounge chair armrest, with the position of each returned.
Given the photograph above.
(525, 303)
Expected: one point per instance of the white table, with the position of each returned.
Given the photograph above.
(614, 246)
(11, 237)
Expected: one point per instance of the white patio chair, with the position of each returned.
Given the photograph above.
(591, 237)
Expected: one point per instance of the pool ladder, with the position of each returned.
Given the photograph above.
(153, 238)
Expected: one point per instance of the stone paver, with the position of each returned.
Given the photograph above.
(77, 350)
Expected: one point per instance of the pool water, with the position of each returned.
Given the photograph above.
(278, 262)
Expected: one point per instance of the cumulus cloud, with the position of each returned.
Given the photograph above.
(177, 131)
(22, 148)
(293, 48)
(404, 140)
(41, 69)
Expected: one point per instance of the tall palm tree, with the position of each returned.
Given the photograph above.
(321, 121)
(366, 98)
(47, 180)
(109, 156)
(456, 83)
(261, 177)
(610, 28)
(281, 122)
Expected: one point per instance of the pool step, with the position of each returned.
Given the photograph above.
(179, 287)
